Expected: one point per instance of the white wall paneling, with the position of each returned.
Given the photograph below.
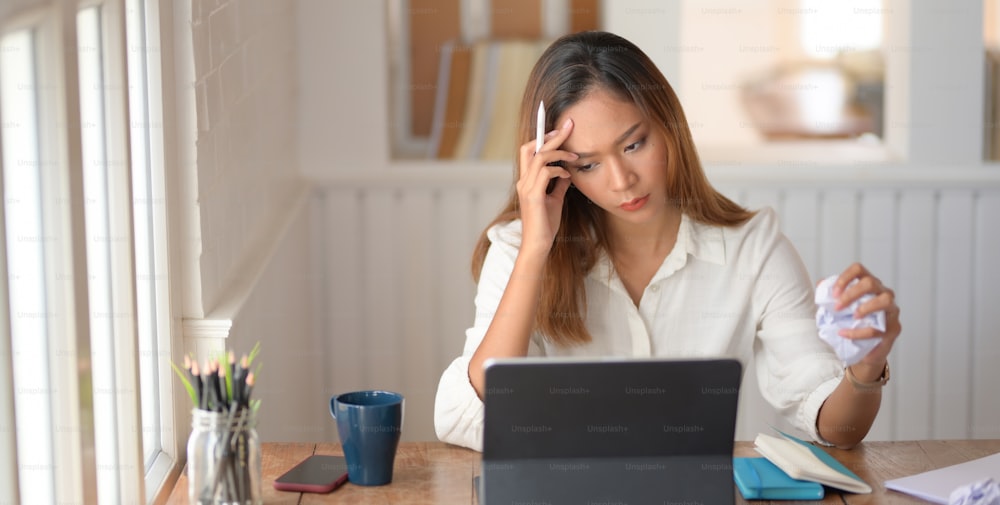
(877, 250)
(914, 373)
(417, 277)
(837, 231)
(398, 295)
(800, 222)
(292, 384)
(383, 267)
(458, 233)
(339, 245)
(986, 317)
(952, 331)
(318, 285)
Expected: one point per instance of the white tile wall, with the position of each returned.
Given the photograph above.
(245, 61)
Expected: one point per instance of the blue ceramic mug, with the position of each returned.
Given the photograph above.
(369, 424)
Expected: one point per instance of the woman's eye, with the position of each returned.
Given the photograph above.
(584, 168)
(635, 145)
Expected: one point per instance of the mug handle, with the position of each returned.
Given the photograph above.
(333, 408)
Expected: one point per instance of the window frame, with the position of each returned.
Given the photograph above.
(68, 353)
(9, 477)
(163, 471)
(120, 247)
(53, 23)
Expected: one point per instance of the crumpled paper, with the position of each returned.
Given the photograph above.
(984, 492)
(830, 321)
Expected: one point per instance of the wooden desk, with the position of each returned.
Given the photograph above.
(434, 473)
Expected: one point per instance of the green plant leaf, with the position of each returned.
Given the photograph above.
(187, 384)
(253, 353)
(229, 380)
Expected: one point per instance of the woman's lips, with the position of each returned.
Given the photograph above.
(634, 205)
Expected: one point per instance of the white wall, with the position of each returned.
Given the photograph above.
(279, 314)
(343, 69)
(721, 43)
(398, 234)
(248, 275)
(247, 156)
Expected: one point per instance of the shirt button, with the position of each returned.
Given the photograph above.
(654, 288)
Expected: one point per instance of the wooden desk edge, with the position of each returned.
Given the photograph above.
(875, 462)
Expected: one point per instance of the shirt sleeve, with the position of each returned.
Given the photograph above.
(458, 411)
(796, 370)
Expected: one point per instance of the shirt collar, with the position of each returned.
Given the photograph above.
(704, 241)
(699, 240)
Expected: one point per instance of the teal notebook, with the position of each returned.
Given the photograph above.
(759, 479)
(804, 461)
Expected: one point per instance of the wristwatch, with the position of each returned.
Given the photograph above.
(877, 383)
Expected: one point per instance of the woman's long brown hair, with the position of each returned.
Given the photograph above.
(567, 71)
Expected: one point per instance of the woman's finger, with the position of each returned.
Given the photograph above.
(549, 172)
(865, 285)
(530, 159)
(548, 164)
(560, 188)
(559, 136)
(856, 333)
(534, 182)
(885, 300)
(855, 271)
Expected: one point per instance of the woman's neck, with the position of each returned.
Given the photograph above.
(652, 238)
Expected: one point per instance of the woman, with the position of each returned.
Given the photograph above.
(631, 252)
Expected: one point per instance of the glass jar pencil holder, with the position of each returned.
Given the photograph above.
(224, 458)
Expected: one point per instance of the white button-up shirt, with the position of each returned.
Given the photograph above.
(740, 292)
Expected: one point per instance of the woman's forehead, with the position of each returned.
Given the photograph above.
(599, 120)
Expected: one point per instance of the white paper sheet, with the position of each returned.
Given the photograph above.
(936, 485)
(830, 322)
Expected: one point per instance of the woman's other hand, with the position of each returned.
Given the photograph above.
(871, 366)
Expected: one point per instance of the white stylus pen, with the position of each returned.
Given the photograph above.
(540, 127)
